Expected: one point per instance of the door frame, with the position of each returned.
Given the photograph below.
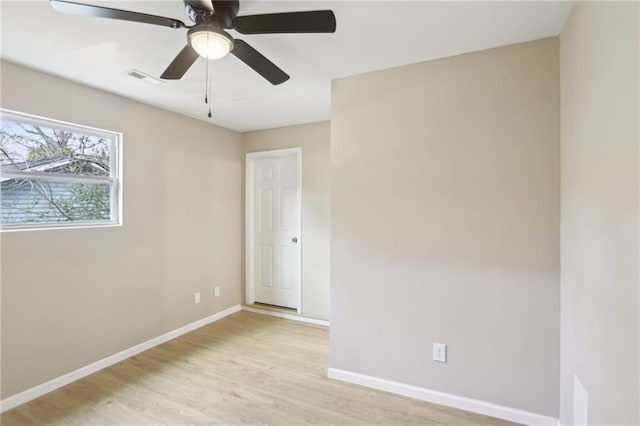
(249, 251)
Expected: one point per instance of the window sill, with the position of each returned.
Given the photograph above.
(56, 227)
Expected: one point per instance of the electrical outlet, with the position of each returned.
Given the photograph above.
(216, 292)
(440, 352)
(197, 297)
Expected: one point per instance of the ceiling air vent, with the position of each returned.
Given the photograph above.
(144, 77)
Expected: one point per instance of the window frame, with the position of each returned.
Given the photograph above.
(114, 179)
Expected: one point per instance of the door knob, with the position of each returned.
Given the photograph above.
(294, 239)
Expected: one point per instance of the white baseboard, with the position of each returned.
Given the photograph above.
(285, 315)
(441, 398)
(58, 382)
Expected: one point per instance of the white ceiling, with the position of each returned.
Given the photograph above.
(371, 35)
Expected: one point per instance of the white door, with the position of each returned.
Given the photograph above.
(276, 229)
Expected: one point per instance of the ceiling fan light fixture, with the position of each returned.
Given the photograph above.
(210, 42)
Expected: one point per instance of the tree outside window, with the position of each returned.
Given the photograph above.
(55, 173)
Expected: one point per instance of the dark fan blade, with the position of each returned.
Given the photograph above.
(105, 12)
(180, 64)
(259, 63)
(319, 21)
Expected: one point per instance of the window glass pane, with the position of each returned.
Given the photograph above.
(33, 201)
(26, 146)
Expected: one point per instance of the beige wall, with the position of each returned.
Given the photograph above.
(72, 297)
(314, 141)
(600, 282)
(445, 225)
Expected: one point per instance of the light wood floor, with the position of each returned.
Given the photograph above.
(245, 369)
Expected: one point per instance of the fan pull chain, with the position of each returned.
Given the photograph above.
(206, 78)
(207, 86)
(209, 115)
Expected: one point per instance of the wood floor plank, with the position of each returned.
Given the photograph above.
(246, 369)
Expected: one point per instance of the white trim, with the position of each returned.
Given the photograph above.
(286, 316)
(56, 226)
(58, 382)
(250, 297)
(442, 398)
(274, 153)
(60, 177)
(249, 210)
(64, 125)
(299, 213)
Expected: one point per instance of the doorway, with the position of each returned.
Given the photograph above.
(273, 190)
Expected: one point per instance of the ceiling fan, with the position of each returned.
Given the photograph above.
(208, 38)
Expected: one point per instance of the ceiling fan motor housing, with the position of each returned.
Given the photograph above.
(223, 12)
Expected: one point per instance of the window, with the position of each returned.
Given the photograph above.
(56, 174)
